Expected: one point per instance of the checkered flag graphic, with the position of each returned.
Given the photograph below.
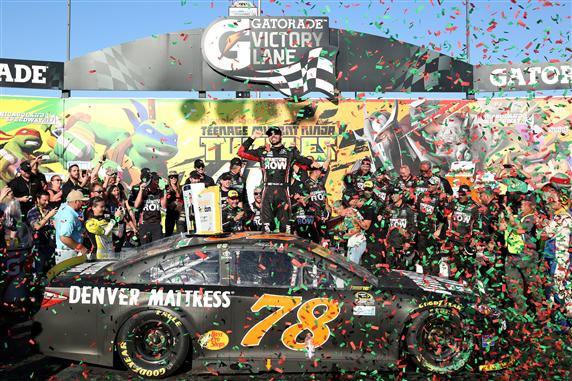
(427, 72)
(114, 71)
(314, 72)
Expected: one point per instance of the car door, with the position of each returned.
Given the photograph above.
(264, 303)
(200, 276)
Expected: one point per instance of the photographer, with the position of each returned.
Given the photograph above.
(25, 187)
(152, 199)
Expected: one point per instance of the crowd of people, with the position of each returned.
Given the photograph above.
(505, 234)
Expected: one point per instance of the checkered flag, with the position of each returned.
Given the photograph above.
(314, 72)
(427, 73)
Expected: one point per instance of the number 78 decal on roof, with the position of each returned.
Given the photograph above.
(307, 321)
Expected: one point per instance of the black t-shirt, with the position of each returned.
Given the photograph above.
(68, 187)
(229, 224)
(20, 187)
(151, 211)
(223, 196)
(253, 221)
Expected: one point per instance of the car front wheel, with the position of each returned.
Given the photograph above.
(438, 341)
(153, 343)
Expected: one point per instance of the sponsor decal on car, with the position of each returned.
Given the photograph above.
(316, 325)
(131, 296)
(496, 366)
(214, 340)
(440, 303)
(488, 341)
(364, 304)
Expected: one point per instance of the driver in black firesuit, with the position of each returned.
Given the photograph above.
(430, 221)
(276, 163)
(460, 244)
(402, 228)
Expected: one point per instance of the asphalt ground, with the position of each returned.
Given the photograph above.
(541, 352)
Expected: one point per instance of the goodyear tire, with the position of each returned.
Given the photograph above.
(438, 341)
(153, 343)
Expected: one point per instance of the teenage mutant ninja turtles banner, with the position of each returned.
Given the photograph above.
(462, 137)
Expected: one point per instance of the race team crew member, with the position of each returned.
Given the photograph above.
(430, 221)
(237, 181)
(152, 199)
(305, 218)
(355, 180)
(315, 186)
(406, 183)
(200, 172)
(401, 231)
(232, 213)
(461, 216)
(253, 221)
(275, 163)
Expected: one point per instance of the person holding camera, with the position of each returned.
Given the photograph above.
(151, 199)
(26, 186)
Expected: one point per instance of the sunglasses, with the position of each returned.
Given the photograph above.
(173, 177)
(257, 193)
(57, 180)
(98, 191)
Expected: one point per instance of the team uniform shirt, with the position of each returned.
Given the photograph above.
(151, 211)
(356, 181)
(318, 196)
(407, 187)
(402, 225)
(305, 221)
(253, 221)
(99, 230)
(429, 213)
(205, 179)
(461, 220)
(228, 219)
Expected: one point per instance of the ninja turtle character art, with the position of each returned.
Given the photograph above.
(19, 147)
(150, 144)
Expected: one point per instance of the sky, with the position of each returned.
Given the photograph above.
(505, 31)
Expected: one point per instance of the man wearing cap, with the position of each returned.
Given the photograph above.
(236, 180)
(459, 248)
(355, 180)
(69, 228)
(276, 163)
(430, 221)
(232, 213)
(401, 232)
(225, 181)
(200, 170)
(25, 187)
(150, 199)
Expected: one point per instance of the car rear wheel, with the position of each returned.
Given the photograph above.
(438, 341)
(153, 343)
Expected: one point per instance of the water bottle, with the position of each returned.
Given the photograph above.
(444, 268)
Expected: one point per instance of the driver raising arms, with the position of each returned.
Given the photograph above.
(275, 162)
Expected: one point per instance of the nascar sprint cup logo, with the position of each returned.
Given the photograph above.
(290, 53)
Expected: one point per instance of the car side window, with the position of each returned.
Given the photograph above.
(315, 275)
(263, 268)
(184, 268)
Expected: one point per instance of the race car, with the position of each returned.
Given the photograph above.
(254, 302)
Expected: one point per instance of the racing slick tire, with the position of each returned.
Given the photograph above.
(153, 343)
(438, 341)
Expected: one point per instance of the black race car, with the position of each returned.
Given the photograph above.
(253, 302)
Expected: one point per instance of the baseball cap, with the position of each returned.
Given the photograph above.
(366, 160)
(274, 131)
(25, 166)
(236, 162)
(173, 173)
(368, 185)
(434, 180)
(199, 163)
(76, 195)
(464, 189)
(232, 194)
(226, 176)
